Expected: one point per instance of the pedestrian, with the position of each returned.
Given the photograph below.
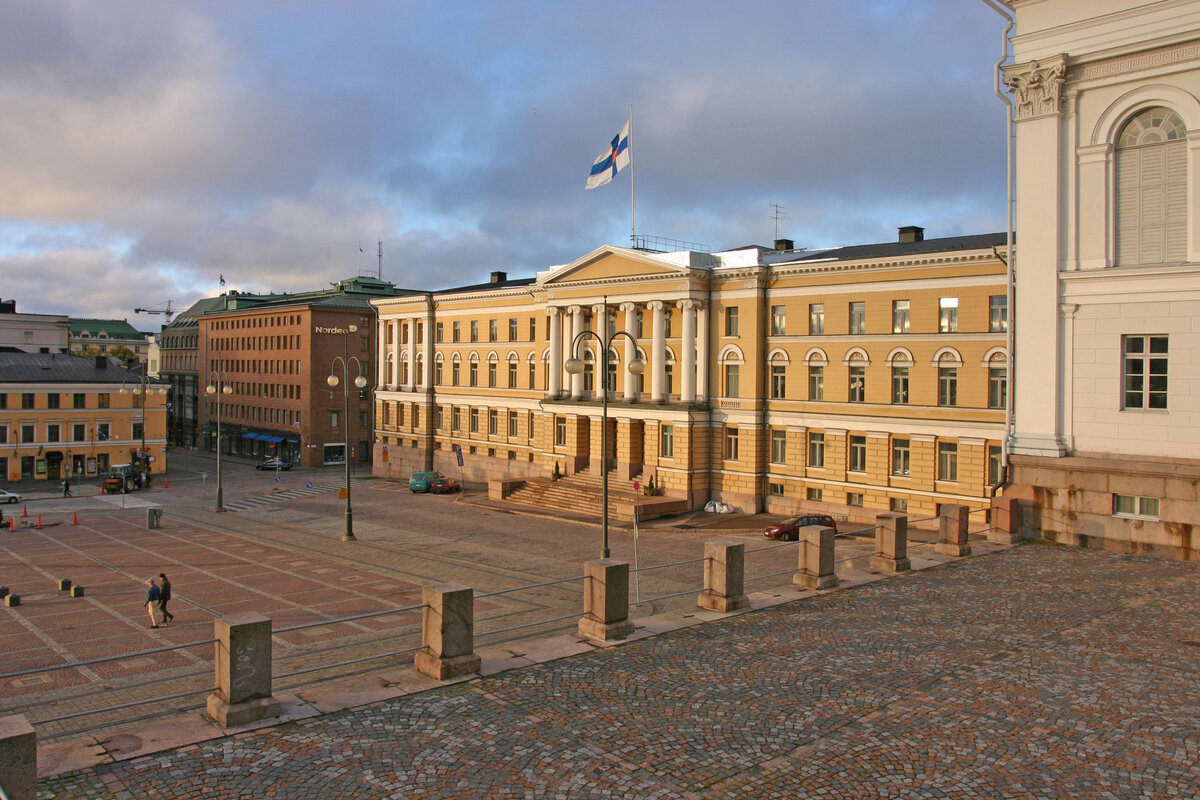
(164, 594)
(153, 597)
(66, 487)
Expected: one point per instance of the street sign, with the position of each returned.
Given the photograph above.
(458, 454)
(343, 494)
(308, 484)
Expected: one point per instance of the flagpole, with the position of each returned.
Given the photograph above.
(632, 206)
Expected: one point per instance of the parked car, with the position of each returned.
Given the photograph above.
(420, 481)
(9, 497)
(274, 463)
(789, 529)
(444, 486)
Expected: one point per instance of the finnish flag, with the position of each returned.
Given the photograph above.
(612, 160)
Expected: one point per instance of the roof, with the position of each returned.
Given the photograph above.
(64, 368)
(113, 328)
(981, 241)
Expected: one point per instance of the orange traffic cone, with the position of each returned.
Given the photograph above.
(166, 484)
(75, 519)
(39, 520)
(12, 523)
(24, 511)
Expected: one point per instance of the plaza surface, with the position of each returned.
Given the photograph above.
(1028, 673)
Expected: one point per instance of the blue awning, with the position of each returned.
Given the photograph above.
(273, 439)
(249, 436)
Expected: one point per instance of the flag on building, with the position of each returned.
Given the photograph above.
(222, 280)
(612, 160)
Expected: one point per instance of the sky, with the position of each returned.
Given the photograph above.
(149, 148)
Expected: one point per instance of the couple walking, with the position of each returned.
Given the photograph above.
(156, 600)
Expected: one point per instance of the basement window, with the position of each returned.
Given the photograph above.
(1132, 506)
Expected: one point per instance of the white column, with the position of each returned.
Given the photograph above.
(412, 354)
(600, 320)
(702, 358)
(630, 310)
(556, 359)
(381, 354)
(658, 352)
(687, 366)
(395, 323)
(574, 351)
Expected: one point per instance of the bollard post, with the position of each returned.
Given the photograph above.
(606, 600)
(952, 526)
(447, 632)
(891, 543)
(1006, 521)
(64, 585)
(3, 591)
(724, 577)
(18, 758)
(76, 591)
(816, 558)
(243, 670)
(12, 600)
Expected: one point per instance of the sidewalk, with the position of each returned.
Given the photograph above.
(1034, 672)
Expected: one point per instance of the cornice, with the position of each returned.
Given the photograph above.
(1159, 57)
(906, 264)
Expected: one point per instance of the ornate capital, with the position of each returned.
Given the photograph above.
(656, 305)
(627, 307)
(553, 311)
(688, 304)
(574, 309)
(1037, 87)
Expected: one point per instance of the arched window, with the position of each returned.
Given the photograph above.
(1151, 166)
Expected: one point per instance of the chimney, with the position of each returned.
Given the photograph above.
(499, 277)
(912, 233)
(784, 244)
(101, 362)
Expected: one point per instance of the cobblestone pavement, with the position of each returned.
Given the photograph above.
(1037, 672)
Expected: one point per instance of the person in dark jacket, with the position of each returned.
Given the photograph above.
(164, 594)
(153, 596)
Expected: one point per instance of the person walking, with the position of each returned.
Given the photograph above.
(66, 487)
(153, 597)
(164, 594)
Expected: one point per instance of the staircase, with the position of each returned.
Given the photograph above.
(582, 493)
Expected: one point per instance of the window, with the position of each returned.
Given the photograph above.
(778, 382)
(493, 422)
(858, 317)
(474, 420)
(1144, 374)
(456, 332)
(816, 450)
(493, 329)
(437, 373)
(778, 320)
(858, 385)
(560, 431)
(27, 400)
(668, 441)
(731, 380)
(776, 489)
(854, 499)
(901, 457)
(998, 313)
(333, 419)
(28, 433)
(491, 374)
(947, 386)
(994, 464)
(816, 383)
(813, 494)
(79, 400)
(420, 332)
(1151, 189)
(858, 454)
(79, 432)
(512, 329)
(437, 333)
(900, 316)
(948, 314)
(512, 375)
(474, 330)
(997, 387)
(52, 431)
(454, 373)
(533, 329)
(731, 444)
(731, 321)
(947, 461)
(816, 318)
(473, 374)
(778, 447)
(1125, 505)
(512, 424)
(53, 399)
(532, 374)
(456, 419)
(898, 504)
(900, 385)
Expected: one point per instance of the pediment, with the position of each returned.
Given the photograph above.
(610, 263)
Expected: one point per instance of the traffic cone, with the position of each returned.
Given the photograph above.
(12, 523)
(75, 519)
(166, 484)
(24, 511)
(39, 521)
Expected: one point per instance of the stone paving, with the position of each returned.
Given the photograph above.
(1031, 673)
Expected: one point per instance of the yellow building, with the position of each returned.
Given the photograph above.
(850, 380)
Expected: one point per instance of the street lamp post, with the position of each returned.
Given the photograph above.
(574, 366)
(159, 389)
(360, 382)
(218, 384)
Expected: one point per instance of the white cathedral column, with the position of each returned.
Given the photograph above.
(576, 328)
(381, 354)
(658, 352)
(631, 380)
(703, 356)
(396, 347)
(600, 319)
(554, 389)
(412, 354)
(687, 366)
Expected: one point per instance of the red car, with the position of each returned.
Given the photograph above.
(789, 529)
(443, 486)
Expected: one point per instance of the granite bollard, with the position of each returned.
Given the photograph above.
(447, 632)
(243, 670)
(18, 758)
(606, 600)
(816, 558)
(891, 543)
(953, 525)
(724, 577)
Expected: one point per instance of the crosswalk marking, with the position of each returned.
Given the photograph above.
(266, 500)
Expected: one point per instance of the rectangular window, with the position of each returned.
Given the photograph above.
(52, 400)
(79, 400)
(997, 387)
(994, 464)
(512, 375)
(948, 315)
(79, 432)
(474, 420)
(456, 419)
(776, 489)
(731, 444)
(491, 374)
(901, 457)
(560, 431)
(898, 504)
(778, 447)
(858, 454)
(858, 317)
(900, 316)
(512, 329)
(532, 374)
(816, 450)
(731, 380)
(816, 319)
(668, 441)
(813, 494)
(998, 313)
(333, 419)
(778, 382)
(493, 330)
(947, 386)
(900, 385)
(437, 373)
(512, 424)
(456, 332)
(1144, 372)
(437, 333)
(474, 330)
(27, 400)
(816, 383)
(493, 422)
(454, 373)
(28, 434)
(1125, 505)
(778, 320)
(420, 332)
(731, 321)
(854, 499)
(52, 431)
(947, 461)
(473, 374)
(533, 329)
(858, 385)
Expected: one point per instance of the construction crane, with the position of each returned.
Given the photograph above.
(167, 311)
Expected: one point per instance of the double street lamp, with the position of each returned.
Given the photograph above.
(574, 366)
(361, 383)
(218, 384)
(158, 388)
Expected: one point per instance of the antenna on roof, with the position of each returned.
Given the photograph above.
(777, 215)
(380, 276)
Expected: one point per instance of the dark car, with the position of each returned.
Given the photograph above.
(789, 529)
(274, 463)
(443, 486)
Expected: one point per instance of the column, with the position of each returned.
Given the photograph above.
(381, 354)
(630, 379)
(395, 382)
(702, 359)
(600, 319)
(429, 347)
(576, 350)
(687, 366)
(554, 389)
(658, 352)
(412, 354)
